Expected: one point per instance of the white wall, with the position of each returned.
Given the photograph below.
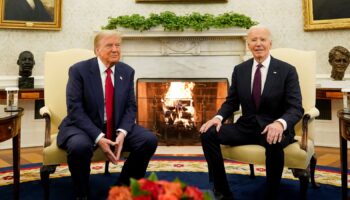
(81, 17)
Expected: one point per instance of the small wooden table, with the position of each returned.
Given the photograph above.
(10, 127)
(34, 93)
(344, 133)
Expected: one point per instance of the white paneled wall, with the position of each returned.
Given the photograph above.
(81, 18)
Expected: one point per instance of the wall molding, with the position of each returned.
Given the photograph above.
(12, 81)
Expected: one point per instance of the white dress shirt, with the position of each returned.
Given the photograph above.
(103, 75)
(264, 69)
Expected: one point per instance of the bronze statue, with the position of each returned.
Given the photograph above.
(339, 58)
(26, 63)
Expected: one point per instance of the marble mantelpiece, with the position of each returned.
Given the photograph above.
(188, 54)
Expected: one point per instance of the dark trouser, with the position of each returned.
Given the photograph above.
(231, 134)
(141, 144)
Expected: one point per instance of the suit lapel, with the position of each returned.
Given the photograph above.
(246, 80)
(119, 84)
(96, 85)
(272, 74)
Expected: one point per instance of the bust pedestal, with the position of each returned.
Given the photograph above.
(26, 82)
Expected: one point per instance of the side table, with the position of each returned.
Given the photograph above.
(10, 127)
(344, 134)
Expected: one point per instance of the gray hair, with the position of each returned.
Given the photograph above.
(260, 27)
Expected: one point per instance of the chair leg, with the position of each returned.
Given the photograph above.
(304, 176)
(252, 173)
(106, 168)
(313, 163)
(45, 172)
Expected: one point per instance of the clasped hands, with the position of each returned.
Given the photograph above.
(273, 131)
(105, 144)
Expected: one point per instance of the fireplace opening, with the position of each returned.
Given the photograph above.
(174, 109)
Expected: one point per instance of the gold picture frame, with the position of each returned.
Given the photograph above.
(39, 15)
(181, 1)
(326, 14)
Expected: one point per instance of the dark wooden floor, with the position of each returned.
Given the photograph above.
(325, 156)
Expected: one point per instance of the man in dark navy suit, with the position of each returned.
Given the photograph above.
(88, 121)
(268, 92)
(26, 10)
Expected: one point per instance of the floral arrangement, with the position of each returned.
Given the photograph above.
(154, 189)
(173, 22)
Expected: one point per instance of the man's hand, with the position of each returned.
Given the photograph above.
(274, 132)
(105, 144)
(119, 141)
(215, 121)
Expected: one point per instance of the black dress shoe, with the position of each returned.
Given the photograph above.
(82, 198)
(220, 196)
(270, 196)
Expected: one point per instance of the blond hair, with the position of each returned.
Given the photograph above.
(103, 34)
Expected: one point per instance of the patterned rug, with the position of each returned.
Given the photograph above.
(323, 175)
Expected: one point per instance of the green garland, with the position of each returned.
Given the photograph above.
(171, 22)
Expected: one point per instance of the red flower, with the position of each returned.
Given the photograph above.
(167, 197)
(144, 197)
(193, 193)
(173, 188)
(150, 186)
(153, 189)
(119, 193)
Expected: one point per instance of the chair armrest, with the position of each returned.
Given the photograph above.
(235, 115)
(308, 116)
(44, 110)
(313, 112)
(238, 112)
(45, 113)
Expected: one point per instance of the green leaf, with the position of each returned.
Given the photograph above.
(171, 22)
(135, 188)
(183, 184)
(153, 177)
(207, 196)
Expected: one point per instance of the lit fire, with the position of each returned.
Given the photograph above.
(178, 104)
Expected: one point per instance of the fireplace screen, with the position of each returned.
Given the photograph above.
(174, 109)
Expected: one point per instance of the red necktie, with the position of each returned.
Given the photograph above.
(256, 91)
(109, 94)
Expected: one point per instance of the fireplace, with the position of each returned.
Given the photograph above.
(160, 57)
(174, 109)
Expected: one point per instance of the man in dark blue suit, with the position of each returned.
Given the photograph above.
(268, 92)
(84, 129)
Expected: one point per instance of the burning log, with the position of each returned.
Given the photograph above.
(186, 115)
